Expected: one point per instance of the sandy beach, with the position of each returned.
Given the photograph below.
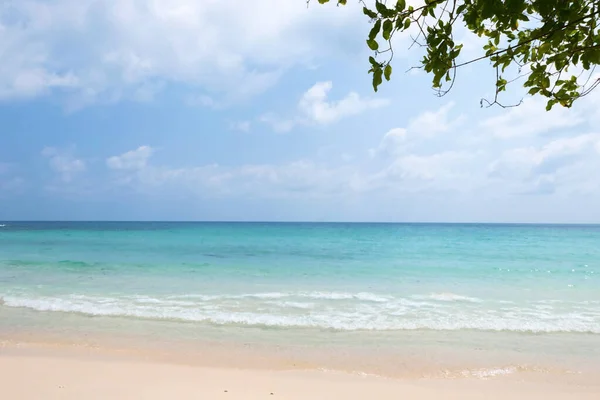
(29, 372)
(296, 311)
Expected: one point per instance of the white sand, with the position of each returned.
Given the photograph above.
(35, 374)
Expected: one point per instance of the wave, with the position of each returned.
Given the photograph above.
(364, 296)
(447, 297)
(76, 263)
(285, 310)
(61, 263)
(346, 296)
(487, 373)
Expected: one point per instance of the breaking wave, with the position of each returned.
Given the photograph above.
(330, 310)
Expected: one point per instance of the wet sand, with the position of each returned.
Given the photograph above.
(34, 372)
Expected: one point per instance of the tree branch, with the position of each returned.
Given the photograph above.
(528, 40)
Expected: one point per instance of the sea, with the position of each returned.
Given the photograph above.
(393, 299)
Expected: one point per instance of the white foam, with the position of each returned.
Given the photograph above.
(271, 295)
(292, 304)
(365, 296)
(487, 373)
(357, 373)
(344, 296)
(393, 314)
(446, 296)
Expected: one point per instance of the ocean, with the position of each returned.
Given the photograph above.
(444, 297)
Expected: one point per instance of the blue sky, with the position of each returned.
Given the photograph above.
(263, 110)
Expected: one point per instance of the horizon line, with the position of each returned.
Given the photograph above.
(302, 222)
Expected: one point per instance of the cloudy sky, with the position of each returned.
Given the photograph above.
(263, 110)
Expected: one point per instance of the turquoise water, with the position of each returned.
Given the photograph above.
(389, 299)
(329, 277)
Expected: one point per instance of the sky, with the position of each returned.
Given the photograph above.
(263, 110)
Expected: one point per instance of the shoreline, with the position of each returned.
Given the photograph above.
(230, 356)
(407, 355)
(30, 372)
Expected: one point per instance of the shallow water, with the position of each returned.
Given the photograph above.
(494, 296)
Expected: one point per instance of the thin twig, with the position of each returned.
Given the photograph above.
(575, 22)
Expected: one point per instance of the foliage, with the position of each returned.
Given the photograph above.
(539, 41)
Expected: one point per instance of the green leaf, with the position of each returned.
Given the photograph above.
(564, 34)
(383, 10)
(373, 45)
(388, 25)
(544, 47)
(377, 79)
(375, 30)
(550, 104)
(369, 13)
(546, 82)
(387, 72)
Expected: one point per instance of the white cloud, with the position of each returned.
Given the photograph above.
(202, 100)
(431, 123)
(531, 119)
(549, 157)
(564, 151)
(104, 49)
(293, 179)
(131, 160)
(417, 167)
(419, 131)
(242, 126)
(12, 185)
(147, 91)
(566, 161)
(426, 167)
(9, 183)
(63, 163)
(33, 82)
(392, 143)
(414, 173)
(431, 153)
(314, 107)
(278, 124)
(548, 152)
